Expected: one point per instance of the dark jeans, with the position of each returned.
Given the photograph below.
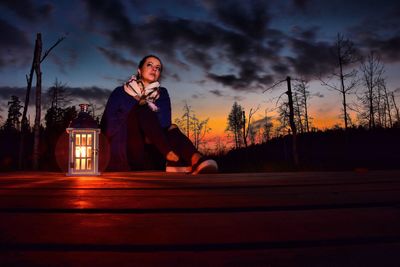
(143, 125)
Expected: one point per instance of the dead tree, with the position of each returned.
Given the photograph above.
(38, 96)
(346, 55)
(35, 68)
(291, 122)
(372, 70)
(246, 128)
(303, 97)
(395, 108)
(387, 110)
(291, 118)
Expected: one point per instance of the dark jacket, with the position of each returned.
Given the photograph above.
(114, 123)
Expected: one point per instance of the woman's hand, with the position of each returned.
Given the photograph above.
(142, 101)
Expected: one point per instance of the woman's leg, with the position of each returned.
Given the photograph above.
(188, 152)
(149, 127)
(136, 142)
(182, 145)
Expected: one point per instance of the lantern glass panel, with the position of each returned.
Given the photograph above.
(89, 163)
(78, 139)
(78, 151)
(83, 151)
(77, 164)
(89, 151)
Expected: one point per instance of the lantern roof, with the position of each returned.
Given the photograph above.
(84, 120)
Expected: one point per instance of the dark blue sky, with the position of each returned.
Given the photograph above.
(214, 52)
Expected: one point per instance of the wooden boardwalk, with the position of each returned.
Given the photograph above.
(159, 219)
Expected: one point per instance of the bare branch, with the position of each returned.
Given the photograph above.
(51, 48)
(274, 85)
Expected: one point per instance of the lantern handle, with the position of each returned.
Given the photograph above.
(84, 107)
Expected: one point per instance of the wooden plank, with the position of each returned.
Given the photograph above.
(162, 180)
(261, 219)
(340, 256)
(263, 198)
(200, 228)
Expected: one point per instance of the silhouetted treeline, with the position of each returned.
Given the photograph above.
(335, 149)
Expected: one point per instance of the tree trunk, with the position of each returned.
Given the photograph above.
(38, 95)
(396, 108)
(389, 113)
(25, 122)
(306, 112)
(342, 88)
(244, 129)
(292, 124)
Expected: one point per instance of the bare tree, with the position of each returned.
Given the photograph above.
(38, 95)
(58, 101)
(195, 128)
(387, 108)
(35, 68)
(372, 70)
(247, 127)
(267, 127)
(302, 95)
(261, 129)
(346, 55)
(290, 115)
(200, 129)
(396, 109)
(298, 112)
(184, 121)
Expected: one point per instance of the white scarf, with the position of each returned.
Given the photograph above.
(149, 93)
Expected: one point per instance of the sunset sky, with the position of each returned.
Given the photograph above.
(214, 52)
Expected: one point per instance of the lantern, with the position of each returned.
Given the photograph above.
(83, 156)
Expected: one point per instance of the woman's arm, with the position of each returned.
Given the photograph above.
(164, 105)
(116, 112)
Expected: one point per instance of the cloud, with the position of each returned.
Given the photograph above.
(250, 18)
(6, 92)
(235, 40)
(281, 68)
(318, 94)
(198, 57)
(388, 48)
(238, 98)
(216, 92)
(235, 45)
(116, 58)
(28, 10)
(301, 4)
(176, 77)
(312, 58)
(116, 24)
(380, 32)
(15, 47)
(91, 94)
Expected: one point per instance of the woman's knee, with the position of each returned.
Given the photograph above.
(173, 126)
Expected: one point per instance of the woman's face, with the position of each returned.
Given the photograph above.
(150, 71)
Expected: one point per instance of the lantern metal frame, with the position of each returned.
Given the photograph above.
(83, 153)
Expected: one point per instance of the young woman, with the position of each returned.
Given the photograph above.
(139, 112)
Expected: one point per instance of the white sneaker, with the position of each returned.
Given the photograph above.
(178, 166)
(205, 165)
